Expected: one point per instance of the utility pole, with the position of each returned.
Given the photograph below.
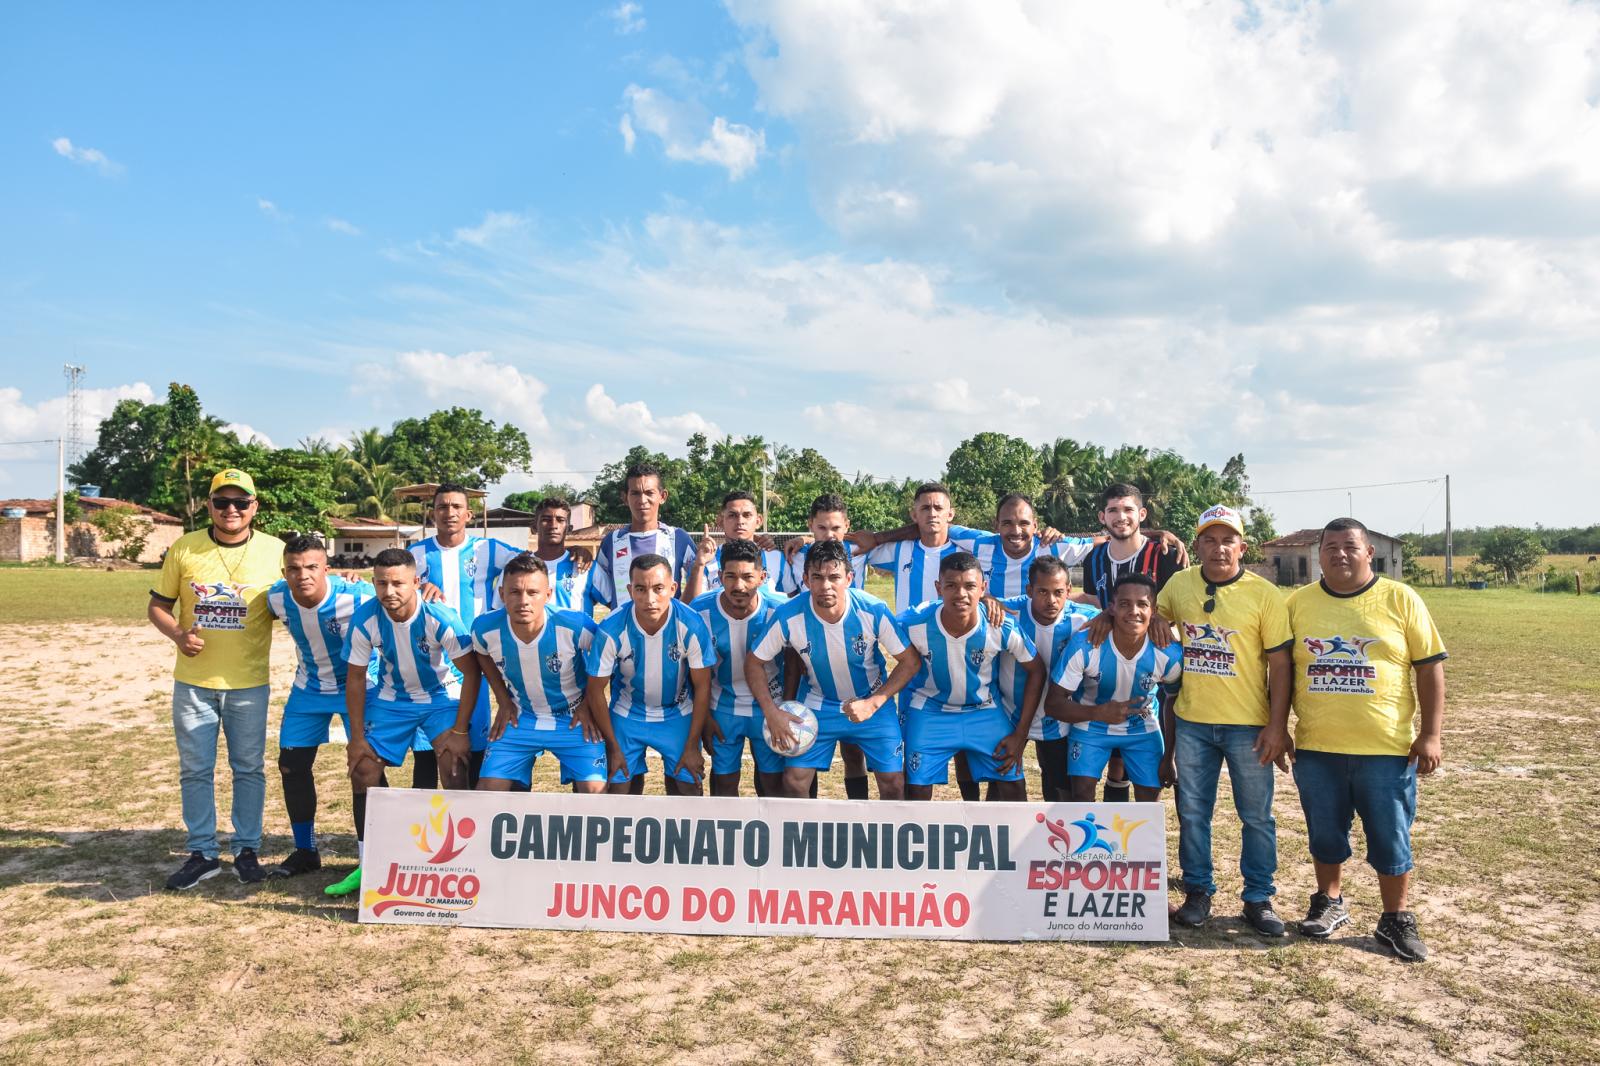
(1449, 541)
(61, 499)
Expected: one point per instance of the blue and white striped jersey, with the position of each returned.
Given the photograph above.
(1049, 644)
(468, 574)
(650, 672)
(916, 567)
(1008, 577)
(844, 660)
(566, 583)
(771, 561)
(958, 670)
(414, 656)
(318, 632)
(794, 576)
(617, 551)
(1099, 675)
(730, 692)
(546, 676)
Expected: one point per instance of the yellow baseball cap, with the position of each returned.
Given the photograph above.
(1220, 515)
(236, 479)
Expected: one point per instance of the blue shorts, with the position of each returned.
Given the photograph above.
(306, 716)
(1335, 788)
(1141, 755)
(511, 758)
(667, 739)
(728, 753)
(934, 737)
(879, 739)
(482, 716)
(392, 726)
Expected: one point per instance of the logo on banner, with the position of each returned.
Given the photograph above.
(433, 888)
(1090, 834)
(1340, 665)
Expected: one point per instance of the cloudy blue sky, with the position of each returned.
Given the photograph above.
(1355, 241)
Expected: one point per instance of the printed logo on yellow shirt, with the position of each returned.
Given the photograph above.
(219, 605)
(1208, 649)
(1341, 665)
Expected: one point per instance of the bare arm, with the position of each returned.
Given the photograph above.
(189, 641)
(1427, 751)
(1273, 745)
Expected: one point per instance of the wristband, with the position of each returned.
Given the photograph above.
(462, 732)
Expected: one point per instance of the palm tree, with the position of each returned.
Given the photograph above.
(1073, 474)
(368, 491)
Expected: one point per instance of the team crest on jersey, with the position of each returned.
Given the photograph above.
(553, 664)
(567, 583)
(675, 651)
(334, 628)
(1340, 665)
(977, 657)
(861, 646)
(470, 567)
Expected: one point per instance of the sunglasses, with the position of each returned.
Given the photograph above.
(238, 503)
(1211, 598)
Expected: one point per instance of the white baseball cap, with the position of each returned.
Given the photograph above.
(1220, 515)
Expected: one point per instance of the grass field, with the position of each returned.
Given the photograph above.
(99, 965)
(1565, 565)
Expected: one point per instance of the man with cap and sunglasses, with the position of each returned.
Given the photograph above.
(210, 601)
(1234, 708)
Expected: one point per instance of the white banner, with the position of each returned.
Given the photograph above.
(754, 867)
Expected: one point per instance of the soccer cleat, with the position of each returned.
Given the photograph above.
(351, 882)
(1263, 919)
(300, 861)
(1195, 910)
(1324, 916)
(198, 868)
(247, 868)
(1398, 932)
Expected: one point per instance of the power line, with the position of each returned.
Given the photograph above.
(47, 440)
(1348, 488)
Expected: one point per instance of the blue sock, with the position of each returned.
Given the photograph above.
(305, 835)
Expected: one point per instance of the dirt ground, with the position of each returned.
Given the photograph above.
(98, 964)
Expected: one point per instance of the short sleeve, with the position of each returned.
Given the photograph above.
(884, 557)
(770, 643)
(967, 539)
(1174, 665)
(583, 640)
(1166, 606)
(1423, 643)
(169, 581)
(891, 635)
(1072, 550)
(702, 649)
(599, 590)
(454, 636)
(1068, 672)
(357, 648)
(1016, 643)
(1017, 604)
(602, 657)
(480, 641)
(1276, 634)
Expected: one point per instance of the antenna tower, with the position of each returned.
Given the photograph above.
(74, 374)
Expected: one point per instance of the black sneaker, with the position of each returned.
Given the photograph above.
(300, 861)
(197, 869)
(247, 869)
(1325, 915)
(1397, 931)
(1195, 910)
(1263, 919)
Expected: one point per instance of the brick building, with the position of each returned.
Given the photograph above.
(32, 536)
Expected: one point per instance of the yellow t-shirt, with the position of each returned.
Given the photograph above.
(1225, 652)
(1353, 690)
(222, 589)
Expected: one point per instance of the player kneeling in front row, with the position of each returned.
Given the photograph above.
(533, 655)
(840, 635)
(734, 612)
(427, 678)
(952, 707)
(653, 651)
(316, 608)
(1109, 695)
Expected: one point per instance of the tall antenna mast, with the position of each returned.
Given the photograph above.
(74, 374)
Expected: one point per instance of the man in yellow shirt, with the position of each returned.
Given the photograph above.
(1233, 708)
(210, 601)
(1359, 638)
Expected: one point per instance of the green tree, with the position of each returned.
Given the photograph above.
(876, 504)
(607, 491)
(1511, 550)
(127, 459)
(1073, 475)
(296, 488)
(528, 499)
(459, 445)
(984, 468)
(801, 477)
(124, 529)
(1258, 529)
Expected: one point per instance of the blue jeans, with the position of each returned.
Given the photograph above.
(241, 714)
(1199, 751)
(1382, 789)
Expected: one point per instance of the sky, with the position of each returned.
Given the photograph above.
(1356, 242)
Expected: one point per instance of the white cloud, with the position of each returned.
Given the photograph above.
(339, 225)
(471, 379)
(247, 433)
(629, 138)
(681, 128)
(31, 470)
(628, 17)
(634, 420)
(88, 157)
(494, 224)
(271, 210)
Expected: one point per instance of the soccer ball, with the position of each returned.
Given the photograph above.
(804, 729)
